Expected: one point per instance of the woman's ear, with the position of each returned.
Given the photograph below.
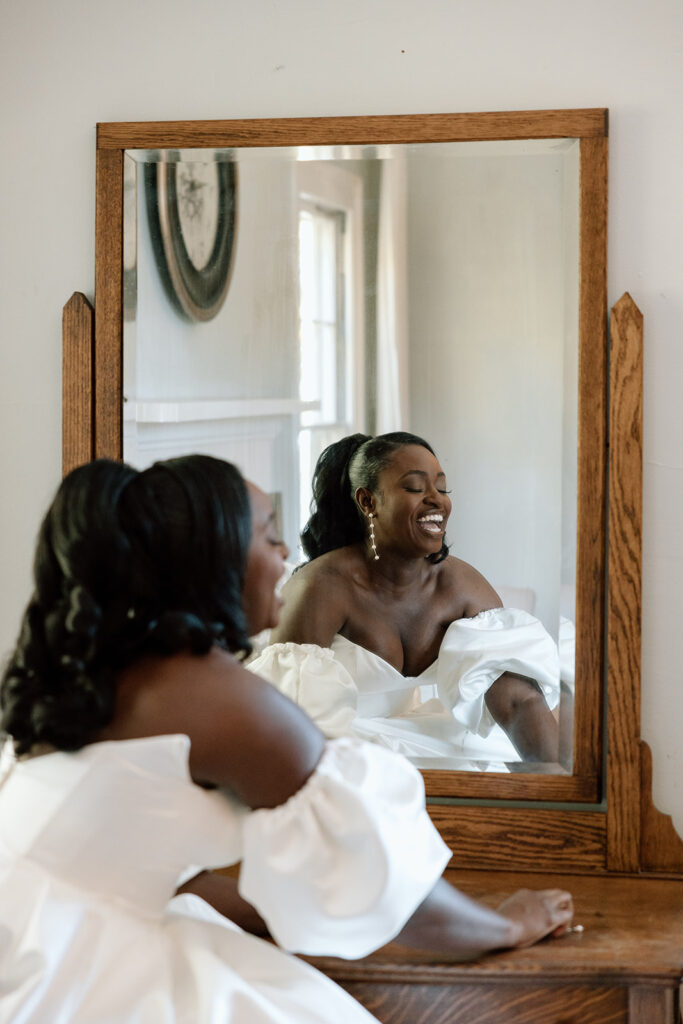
(365, 500)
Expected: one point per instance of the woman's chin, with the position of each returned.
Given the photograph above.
(431, 542)
(274, 617)
(268, 620)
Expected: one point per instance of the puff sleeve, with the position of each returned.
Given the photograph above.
(476, 651)
(314, 679)
(342, 865)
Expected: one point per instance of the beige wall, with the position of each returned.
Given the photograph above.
(65, 66)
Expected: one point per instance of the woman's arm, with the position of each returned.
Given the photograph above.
(245, 736)
(518, 706)
(515, 702)
(446, 922)
(220, 892)
(315, 606)
(248, 738)
(265, 754)
(450, 922)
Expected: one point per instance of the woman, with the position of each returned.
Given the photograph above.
(385, 636)
(144, 753)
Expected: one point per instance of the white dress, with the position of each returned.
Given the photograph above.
(94, 844)
(438, 719)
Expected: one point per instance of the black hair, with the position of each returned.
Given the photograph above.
(127, 563)
(344, 466)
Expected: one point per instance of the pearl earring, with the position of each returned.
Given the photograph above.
(371, 516)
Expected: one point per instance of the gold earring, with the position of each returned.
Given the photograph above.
(372, 536)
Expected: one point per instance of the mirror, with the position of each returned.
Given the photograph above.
(464, 262)
(431, 288)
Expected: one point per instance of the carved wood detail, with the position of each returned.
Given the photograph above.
(639, 837)
(77, 382)
(661, 848)
(624, 587)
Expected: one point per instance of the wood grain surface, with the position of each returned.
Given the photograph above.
(109, 305)
(591, 464)
(661, 847)
(534, 839)
(77, 382)
(624, 594)
(487, 1004)
(627, 964)
(399, 128)
(633, 928)
(530, 784)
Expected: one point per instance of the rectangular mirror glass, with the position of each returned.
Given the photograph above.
(428, 287)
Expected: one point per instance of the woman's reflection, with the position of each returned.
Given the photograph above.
(387, 636)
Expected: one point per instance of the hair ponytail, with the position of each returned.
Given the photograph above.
(335, 520)
(127, 564)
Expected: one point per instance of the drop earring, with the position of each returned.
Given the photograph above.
(371, 516)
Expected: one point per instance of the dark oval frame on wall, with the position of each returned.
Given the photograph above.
(196, 293)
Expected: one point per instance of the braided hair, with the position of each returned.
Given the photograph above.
(127, 563)
(344, 466)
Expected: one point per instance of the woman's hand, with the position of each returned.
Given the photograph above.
(538, 913)
(450, 923)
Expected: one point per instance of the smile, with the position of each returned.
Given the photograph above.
(433, 522)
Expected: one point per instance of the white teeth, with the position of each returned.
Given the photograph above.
(436, 518)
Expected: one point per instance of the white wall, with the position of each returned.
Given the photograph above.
(249, 350)
(65, 66)
(224, 357)
(490, 273)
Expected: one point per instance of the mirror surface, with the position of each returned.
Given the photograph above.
(429, 287)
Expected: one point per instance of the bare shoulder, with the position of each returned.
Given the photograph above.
(335, 567)
(472, 590)
(317, 599)
(244, 734)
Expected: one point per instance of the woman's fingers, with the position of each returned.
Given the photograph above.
(539, 913)
(561, 907)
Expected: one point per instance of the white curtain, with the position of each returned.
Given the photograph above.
(392, 299)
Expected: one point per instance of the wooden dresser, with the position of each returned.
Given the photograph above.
(626, 966)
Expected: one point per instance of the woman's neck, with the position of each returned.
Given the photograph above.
(397, 572)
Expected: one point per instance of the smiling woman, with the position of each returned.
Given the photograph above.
(386, 636)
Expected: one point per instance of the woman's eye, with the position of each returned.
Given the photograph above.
(275, 542)
(444, 492)
(414, 490)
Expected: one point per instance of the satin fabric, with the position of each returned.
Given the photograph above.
(94, 844)
(439, 718)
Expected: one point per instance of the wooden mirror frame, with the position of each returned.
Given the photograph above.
(598, 827)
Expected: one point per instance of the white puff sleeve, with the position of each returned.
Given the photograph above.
(314, 679)
(341, 866)
(476, 651)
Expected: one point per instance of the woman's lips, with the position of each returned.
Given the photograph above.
(432, 523)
